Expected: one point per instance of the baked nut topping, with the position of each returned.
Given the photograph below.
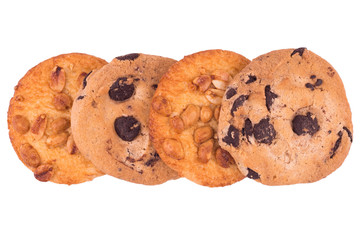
(161, 105)
(220, 75)
(62, 101)
(190, 115)
(29, 155)
(57, 80)
(59, 124)
(219, 84)
(20, 124)
(223, 158)
(177, 124)
(205, 151)
(203, 82)
(39, 126)
(203, 134)
(206, 114)
(71, 146)
(57, 140)
(43, 173)
(173, 148)
(217, 113)
(214, 95)
(80, 79)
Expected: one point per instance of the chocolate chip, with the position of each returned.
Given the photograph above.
(230, 93)
(309, 85)
(337, 144)
(248, 129)
(238, 103)
(313, 76)
(127, 127)
(252, 78)
(349, 133)
(85, 79)
(80, 97)
(120, 91)
(131, 57)
(154, 86)
(264, 131)
(302, 124)
(151, 162)
(269, 96)
(232, 137)
(252, 174)
(300, 51)
(318, 82)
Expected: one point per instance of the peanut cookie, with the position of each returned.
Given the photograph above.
(39, 119)
(285, 118)
(110, 119)
(184, 117)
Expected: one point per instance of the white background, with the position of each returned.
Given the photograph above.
(108, 208)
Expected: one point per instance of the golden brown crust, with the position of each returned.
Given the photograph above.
(36, 145)
(181, 94)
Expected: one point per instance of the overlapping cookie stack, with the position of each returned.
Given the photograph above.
(213, 117)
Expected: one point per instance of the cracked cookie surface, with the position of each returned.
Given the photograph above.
(110, 119)
(39, 119)
(184, 117)
(285, 118)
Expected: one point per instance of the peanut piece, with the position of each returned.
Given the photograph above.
(206, 114)
(71, 146)
(39, 126)
(205, 151)
(62, 101)
(214, 95)
(217, 113)
(43, 173)
(203, 134)
(219, 84)
(190, 115)
(29, 155)
(161, 105)
(173, 148)
(20, 124)
(80, 79)
(223, 158)
(220, 75)
(57, 140)
(59, 124)
(177, 124)
(57, 80)
(203, 82)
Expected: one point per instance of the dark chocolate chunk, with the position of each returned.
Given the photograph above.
(154, 86)
(309, 85)
(232, 137)
(305, 124)
(127, 127)
(264, 131)
(252, 174)
(349, 133)
(248, 129)
(120, 91)
(230, 93)
(85, 79)
(252, 78)
(313, 76)
(318, 82)
(131, 57)
(80, 97)
(337, 144)
(238, 103)
(269, 97)
(151, 162)
(300, 51)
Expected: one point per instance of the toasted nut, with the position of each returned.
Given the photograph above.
(205, 151)
(219, 84)
(177, 123)
(20, 124)
(190, 115)
(214, 95)
(206, 114)
(62, 101)
(39, 126)
(161, 105)
(57, 81)
(217, 113)
(220, 75)
(57, 140)
(29, 155)
(59, 124)
(173, 148)
(203, 82)
(43, 173)
(203, 133)
(223, 158)
(71, 146)
(80, 79)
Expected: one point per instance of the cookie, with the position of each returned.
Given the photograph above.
(110, 119)
(184, 117)
(285, 118)
(39, 119)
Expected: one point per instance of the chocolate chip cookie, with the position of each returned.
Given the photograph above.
(285, 118)
(110, 119)
(184, 117)
(39, 119)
